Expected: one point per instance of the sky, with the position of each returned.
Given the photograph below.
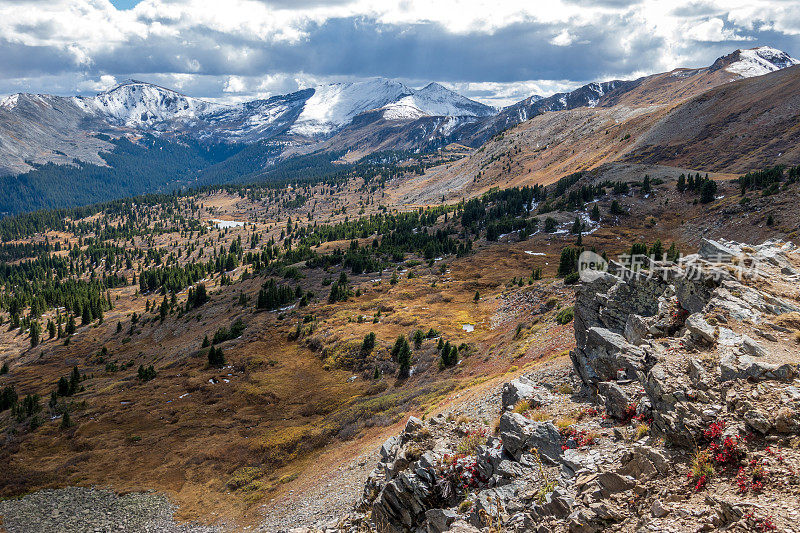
(497, 52)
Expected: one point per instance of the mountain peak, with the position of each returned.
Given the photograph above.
(758, 61)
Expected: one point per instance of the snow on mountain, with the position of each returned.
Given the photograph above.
(334, 106)
(759, 61)
(136, 104)
(437, 100)
(10, 101)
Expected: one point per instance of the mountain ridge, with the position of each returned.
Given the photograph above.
(354, 118)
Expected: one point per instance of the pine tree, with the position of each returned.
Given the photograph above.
(35, 334)
(418, 337)
(215, 357)
(595, 215)
(74, 381)
(681, 183)
(368, 343)
(646, 188)
(66, 420)
(404, 360)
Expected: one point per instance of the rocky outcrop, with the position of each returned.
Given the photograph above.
(638, 335)
(667, 352)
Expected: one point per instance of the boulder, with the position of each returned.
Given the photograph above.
(696, 324)
(520, 435)
(716, 252)
(439, 520)
(612, 483)
(615, 399)
(658, 509)
(522, 389)
(757, 420)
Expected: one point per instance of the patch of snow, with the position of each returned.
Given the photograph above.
(760, 61)
(9, 102)
(469, 328)
(529, 252)
(224, 224)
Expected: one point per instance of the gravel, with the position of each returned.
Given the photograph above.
(328, 500)
(90, 510)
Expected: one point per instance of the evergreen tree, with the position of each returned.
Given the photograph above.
(35, 334)
(404, 360)
(215, 357)
(418, 337)
(74, 381)
(368, 344)
(595, 215)
(681, 183)
(66, 420)
(646, 187)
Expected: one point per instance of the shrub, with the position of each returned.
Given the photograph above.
(565, 316)
(522, 407)
(700, 469)
(368, 344)
(469, 443)
(146, 373)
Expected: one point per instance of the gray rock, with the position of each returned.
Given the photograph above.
(388, 450)
(613, 483)
(614, 398)
(658, 510)
(439, 520)
(414, 424)
(715, 251)
(697, 326)
(522, 389)
(752, 347)
(520, 435)
(758, 421)
(573, 461)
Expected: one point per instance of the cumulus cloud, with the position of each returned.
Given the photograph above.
(495, 52)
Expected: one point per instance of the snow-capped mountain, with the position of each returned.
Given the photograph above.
(755, 61)
(436, 100)
(334, 106)
(138, 104)
(314, 113)
(365, 115)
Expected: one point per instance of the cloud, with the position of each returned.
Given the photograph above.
(493, 51)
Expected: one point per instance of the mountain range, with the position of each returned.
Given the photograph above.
(353, 119)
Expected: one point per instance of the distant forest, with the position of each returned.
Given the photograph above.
(153, 165)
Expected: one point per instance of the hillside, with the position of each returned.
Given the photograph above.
(666, 120)
(299, 392)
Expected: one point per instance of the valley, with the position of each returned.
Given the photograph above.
(264, 316)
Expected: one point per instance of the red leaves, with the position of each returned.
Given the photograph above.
(700, 483)
(714, 431)
(460, 470)
(728, 453)
(760, 524)
(579, 438)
